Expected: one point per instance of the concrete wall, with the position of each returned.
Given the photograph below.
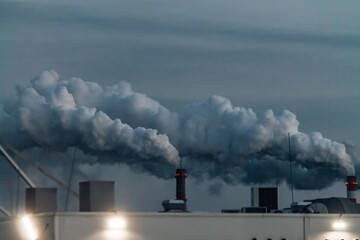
(190, 226)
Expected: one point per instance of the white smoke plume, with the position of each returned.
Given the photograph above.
(214, 138)
(47, 115)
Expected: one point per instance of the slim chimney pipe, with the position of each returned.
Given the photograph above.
(351, 185)
(180, 184)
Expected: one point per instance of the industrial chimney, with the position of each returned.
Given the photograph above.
(351, 188)
(180, 184)
(179, 204)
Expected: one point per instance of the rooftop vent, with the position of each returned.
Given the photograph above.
(97, 196)
(40, 200)
(265, 197)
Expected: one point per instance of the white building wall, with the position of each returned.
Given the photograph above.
(184, 226)
(321, 227)
(8, 230)
(189, 226)
(14, 228)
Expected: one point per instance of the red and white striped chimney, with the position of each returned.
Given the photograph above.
(351, 185)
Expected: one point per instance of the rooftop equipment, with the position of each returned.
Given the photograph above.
(97, 196)
(299, 207)
(351, 185)
(335, 205)
(317, 208)
(245, 210)
(265, 197)
(173, 205)
(231, 210)
(40, 200)
(254, 210)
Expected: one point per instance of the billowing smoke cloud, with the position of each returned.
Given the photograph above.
(214, 138)
(47, 115)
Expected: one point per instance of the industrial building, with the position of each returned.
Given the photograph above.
(97, 220)
(179, 226)
(317, 219)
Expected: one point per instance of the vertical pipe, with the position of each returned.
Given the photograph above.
(70, 179)
(291, 172)
(180, 185)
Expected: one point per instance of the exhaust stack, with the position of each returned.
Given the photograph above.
(180, 184)
(179, 204)
(351, 185)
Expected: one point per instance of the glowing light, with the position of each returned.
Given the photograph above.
(30, 229)
(116, 223)
(114, 235)
(339, 225)
(355, 183)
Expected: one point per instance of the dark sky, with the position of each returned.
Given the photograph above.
(299, 55)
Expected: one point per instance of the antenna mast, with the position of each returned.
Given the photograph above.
(291, 172)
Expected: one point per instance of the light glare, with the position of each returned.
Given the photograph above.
(339, 225)
(117, 223)
(29, 228)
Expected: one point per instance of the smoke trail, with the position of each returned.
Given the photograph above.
(216, 139)
(47, 115)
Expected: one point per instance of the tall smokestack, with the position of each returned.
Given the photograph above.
(179, 204)
(351, 188)
(180, 184)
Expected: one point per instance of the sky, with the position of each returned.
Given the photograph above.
(279, 54)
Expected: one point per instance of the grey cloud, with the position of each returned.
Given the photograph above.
(159, 49)
(74, 17)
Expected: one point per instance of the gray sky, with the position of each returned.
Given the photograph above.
(299, 55)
